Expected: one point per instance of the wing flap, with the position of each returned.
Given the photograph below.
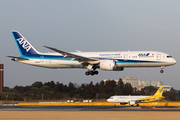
(80, 59)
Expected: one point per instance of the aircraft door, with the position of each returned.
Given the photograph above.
(158, 56)
(125, 57)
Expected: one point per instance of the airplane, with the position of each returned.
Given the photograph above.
(112, 61)
(132, 100)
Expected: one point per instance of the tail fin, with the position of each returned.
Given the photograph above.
(25, 48)
(159, 92)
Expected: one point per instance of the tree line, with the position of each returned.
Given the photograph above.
(60, 91)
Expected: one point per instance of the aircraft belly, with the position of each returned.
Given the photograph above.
(49, 63)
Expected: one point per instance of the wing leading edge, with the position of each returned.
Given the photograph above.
(80, 59)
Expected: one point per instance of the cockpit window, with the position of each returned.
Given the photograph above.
(169, 56)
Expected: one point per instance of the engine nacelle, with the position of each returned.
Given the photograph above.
(118, 69)
(132, 102)
(109, 65)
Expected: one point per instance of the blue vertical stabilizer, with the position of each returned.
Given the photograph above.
(25, 48)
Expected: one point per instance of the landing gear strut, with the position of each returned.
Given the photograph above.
(162, 67)
(91, 72)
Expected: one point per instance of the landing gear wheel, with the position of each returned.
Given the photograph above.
(91, 72)
(87, 73)
(161, 71)
(96, 72)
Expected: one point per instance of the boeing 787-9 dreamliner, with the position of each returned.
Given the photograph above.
(112, 61)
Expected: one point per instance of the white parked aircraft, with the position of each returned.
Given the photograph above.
(131, 100)
(113, 61)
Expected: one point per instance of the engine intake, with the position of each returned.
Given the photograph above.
(132, 102)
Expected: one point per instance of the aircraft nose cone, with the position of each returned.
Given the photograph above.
(174, 61)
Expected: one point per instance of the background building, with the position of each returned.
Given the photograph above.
(132, 80)
(151, 83)
(141, 84)
(167, 88)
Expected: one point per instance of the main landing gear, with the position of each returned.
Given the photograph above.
(91, 72)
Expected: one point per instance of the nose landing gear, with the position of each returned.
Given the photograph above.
(162, 67)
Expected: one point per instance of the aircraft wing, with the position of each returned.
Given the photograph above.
(80, 59)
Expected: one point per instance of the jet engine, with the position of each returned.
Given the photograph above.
(110, 65)
(132, 102)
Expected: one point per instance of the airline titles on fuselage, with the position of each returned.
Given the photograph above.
(140, 55)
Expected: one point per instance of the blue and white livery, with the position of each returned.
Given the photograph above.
(113, 61)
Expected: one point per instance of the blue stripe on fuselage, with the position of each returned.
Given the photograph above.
(54, 57)
(47, 57)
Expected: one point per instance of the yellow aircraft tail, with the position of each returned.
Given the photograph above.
(159, 92)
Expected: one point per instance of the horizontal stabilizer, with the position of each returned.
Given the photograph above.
(17, 58)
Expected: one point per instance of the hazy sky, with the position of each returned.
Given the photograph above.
(90, 25)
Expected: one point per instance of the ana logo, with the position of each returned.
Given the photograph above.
(24, 44)
(143, 54)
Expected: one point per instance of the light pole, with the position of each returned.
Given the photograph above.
(6, 97)
(42, 97)
(97, 96)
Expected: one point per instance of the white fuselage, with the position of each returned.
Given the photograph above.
(123, 59)
(124, 99)
(112, 61)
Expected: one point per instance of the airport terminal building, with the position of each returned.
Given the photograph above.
(141, 84)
